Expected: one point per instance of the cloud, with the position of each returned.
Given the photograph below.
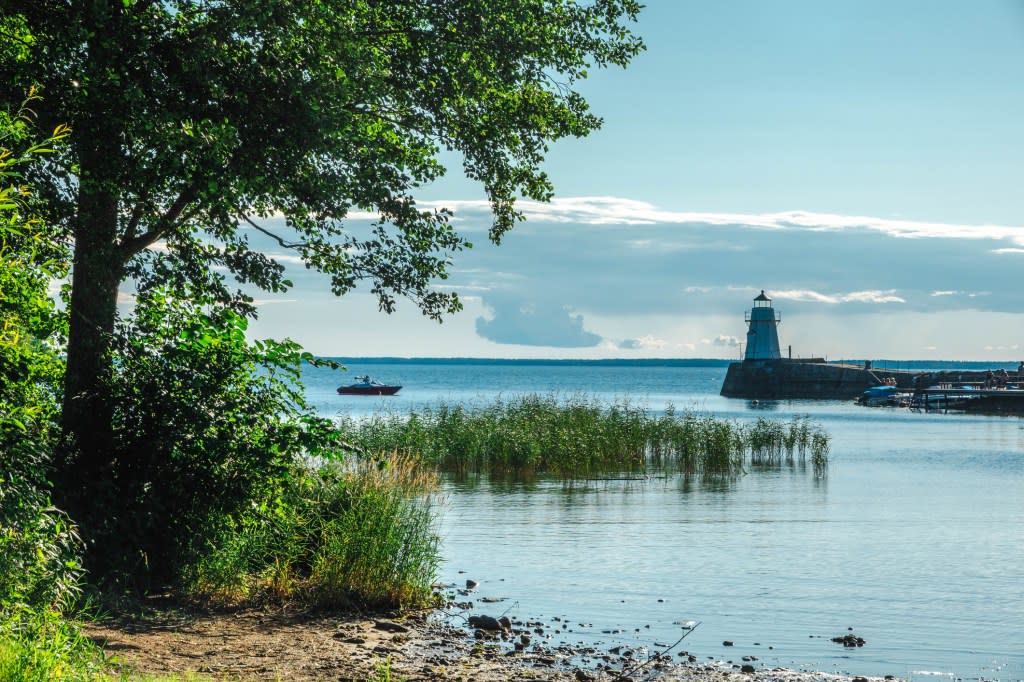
(642, 343)
(1008, 250)
(271, 301)
(725, 341)
(873, 296)
(532, 323)
(606, 210)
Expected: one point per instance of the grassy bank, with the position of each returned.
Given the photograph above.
(579, 436)
(354, 533)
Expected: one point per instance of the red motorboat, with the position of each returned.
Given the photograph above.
(367, 385)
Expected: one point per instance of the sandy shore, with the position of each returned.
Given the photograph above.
(283, 645)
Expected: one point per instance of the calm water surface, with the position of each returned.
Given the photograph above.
(915, 539)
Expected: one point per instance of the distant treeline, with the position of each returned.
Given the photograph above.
(539, 362)
(923, 365)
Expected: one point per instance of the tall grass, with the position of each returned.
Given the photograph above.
(353, 533)
(578, 437)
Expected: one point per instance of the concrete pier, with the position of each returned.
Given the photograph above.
(813, 379)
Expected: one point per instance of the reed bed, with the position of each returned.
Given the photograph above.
(580, 437)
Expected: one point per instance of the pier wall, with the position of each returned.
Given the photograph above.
(782, 379)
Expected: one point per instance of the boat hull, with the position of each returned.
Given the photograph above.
(369, 390)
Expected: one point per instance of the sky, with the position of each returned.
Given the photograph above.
(861, 161)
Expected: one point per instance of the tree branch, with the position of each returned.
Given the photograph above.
(133, 221)
(282, 242)
(131, 245)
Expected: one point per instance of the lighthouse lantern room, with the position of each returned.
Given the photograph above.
(763, 331)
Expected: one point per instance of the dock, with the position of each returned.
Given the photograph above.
(970, 397)
(764, 374)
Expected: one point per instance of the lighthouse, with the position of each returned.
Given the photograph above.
(763, 331)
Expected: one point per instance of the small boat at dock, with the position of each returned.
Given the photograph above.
(884, 396)
(367, 385)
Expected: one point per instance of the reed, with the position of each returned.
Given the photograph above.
(578, 436)
(356, 532)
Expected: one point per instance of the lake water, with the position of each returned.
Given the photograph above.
(914, 539)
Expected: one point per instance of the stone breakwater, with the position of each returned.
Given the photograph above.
(796, 379)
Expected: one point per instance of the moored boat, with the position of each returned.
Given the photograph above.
(884, 396)
(367, 385)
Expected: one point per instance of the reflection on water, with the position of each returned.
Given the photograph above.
(915, 538)
(778, 558)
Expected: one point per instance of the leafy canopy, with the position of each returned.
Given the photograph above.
(195, 115)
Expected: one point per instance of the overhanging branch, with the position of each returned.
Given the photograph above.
(131, 245)
(279, 240)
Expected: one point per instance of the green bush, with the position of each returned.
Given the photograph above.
(207, 425)
(47, 648)
(39, 549)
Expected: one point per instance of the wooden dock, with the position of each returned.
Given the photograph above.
(970, 397)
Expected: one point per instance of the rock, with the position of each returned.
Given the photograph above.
(583, 675)
(505, 622)
(349, 640)
(860, 679)
(727, 643)
(484, 623)
(849, 641)
(471, 584)
(388, 626)
(747, 669)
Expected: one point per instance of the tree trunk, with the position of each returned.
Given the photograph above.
(84, 462)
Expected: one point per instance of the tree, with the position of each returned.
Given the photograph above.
(193, 117)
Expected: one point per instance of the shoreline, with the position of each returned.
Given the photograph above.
(278, 644)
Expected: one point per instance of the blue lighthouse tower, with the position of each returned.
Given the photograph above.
(763, 331)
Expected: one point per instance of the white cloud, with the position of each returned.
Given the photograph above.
(643, 342)
(605, 210)
(725, 341)
(874, 296)
(271, 301)
(534, 323)
(285, 258)
(944, 293)
(1008, 250)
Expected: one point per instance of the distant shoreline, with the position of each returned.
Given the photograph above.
(922, 365)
